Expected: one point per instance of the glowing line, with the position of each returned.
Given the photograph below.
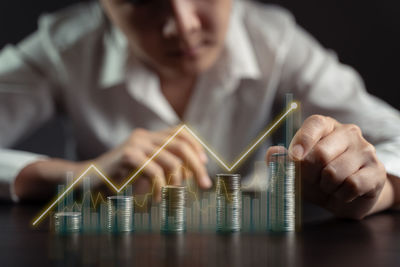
(105, 178)
(152, 157)
(293, 106)
(100, 198)
(263, 136)
(62, 195)
(207, 148)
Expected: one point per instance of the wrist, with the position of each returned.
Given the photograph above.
(387, 198)
(395, 183)
(39, 179)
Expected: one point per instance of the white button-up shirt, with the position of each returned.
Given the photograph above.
(78, 63)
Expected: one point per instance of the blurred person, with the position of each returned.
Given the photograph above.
(127, 73)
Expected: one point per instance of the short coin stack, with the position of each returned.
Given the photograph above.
(120, 213)
(67, 222)
(229, 202)
(173, 212)
(281, 198)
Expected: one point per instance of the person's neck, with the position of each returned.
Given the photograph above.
(178, 90)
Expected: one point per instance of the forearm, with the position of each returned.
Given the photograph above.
(39, 180)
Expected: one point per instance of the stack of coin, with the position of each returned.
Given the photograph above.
(289, 221)
(272, 196)
(173, 213)
(67, 222)
(229, 202)
(281, 200)
(120, 213)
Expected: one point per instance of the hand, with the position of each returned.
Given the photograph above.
(339, 168)
(38, 180)
(177, 161)
(183, 155)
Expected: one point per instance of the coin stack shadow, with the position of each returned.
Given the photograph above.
(229, 202)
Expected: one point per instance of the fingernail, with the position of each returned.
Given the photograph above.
(207, 182)
(297, 152)
(203, 157)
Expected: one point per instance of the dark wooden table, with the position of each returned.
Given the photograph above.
(374, 241)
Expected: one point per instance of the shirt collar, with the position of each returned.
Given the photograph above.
(115, 58)
(237, 60)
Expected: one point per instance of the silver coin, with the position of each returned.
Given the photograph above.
(67, 222)
(120, 213)
(281, 200)
(229, 202)
(173, 211)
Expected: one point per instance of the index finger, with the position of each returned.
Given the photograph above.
(188, 137)
(311, 132)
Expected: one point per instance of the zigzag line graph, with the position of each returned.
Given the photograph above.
(92, 167)
(100, 199)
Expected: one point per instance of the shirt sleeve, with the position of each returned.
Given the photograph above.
(26, 101)
(325, 86)
(11, 163)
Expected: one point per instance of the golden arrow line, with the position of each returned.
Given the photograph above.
(292, 107)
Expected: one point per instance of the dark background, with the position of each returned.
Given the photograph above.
(365, 35)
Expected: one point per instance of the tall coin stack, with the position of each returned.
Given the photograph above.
(281, 197)
(173, 212)
(120, 213)
(229, 202)
(67, 222)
